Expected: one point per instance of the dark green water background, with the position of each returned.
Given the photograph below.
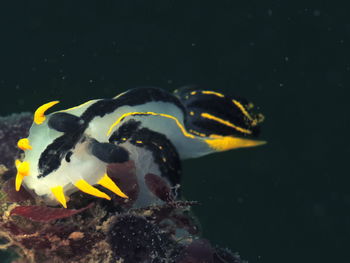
(288, 201)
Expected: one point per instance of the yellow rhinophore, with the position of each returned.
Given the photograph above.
(224, 143)
(108, 183)
(85, 187)
(39, 115)
(59, 194)
(24, 144)
(22, 171)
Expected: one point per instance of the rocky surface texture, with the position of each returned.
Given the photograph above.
(96, 230)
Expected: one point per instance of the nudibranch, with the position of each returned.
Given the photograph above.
(69, 150)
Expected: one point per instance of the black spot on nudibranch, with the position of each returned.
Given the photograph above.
(163, 151)
(132, 97)
(125, 131)
(65, 122)
(68, 155)
(50, 158)
(109, 153)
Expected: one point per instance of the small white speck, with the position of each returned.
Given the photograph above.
(63, 77)
(91, 81)
(193, 44)
(45, 59)
(281, 85)
(286, 59)
(269, 12)
(170, 81)
(17, 87)
(63, 55)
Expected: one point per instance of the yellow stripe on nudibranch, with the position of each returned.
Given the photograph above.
(59, 195)
(208, 92)
(198, 133)
(24, 144)
(108, 183)
(23, 169)
(85, 187)
(224, 122)
(243, 110)
(182, 128)
(254, 121)
(77, 107)
(224, 143)
(39, 115)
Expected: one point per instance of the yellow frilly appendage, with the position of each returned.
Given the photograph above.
(59, 195)
(24, 144)
(22, 171)
(110, 185)
(224, 143)
(85, 187)
(39, 115)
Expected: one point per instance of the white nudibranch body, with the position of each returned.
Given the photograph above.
(69, 150)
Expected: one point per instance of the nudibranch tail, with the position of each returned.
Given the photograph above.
(59, 195)
(85, 187)
(224, 143)
(39, 115)
(108, 183)
(22, 171)
(24, 144)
